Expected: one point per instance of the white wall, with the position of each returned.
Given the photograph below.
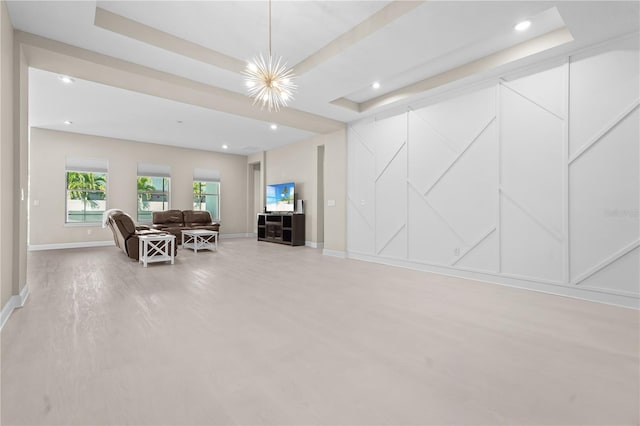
(49, 150)
(532, 181)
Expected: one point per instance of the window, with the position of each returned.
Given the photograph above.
(206, 191)
(153, 184)
(86, 190)
(206, 196)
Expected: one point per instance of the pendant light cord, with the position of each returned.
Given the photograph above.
(270, 55)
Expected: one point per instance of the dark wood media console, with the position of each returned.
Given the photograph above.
(281, 228)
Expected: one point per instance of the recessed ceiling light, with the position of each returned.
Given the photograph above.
(521, 26)
(274, 126)
(67, 122)
(225, 146)
(66, 79)
(179, 121)
(375, 85)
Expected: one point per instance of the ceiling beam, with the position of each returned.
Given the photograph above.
(149, 35)
(375, 22)
(84, 64)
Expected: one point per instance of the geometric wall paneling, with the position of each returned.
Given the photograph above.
(604, 200)
(604, 84)
(482, 255)
(533, 181)
(467, 192)
(361, 186)
(429, 153)
(360, 236)
(474, 109)
(527, 248)
(391, 204)
(621, 276)
(360, 190)
(390, 134)
(432, 240)
(531, 152)
(396, 246)
(545, 88)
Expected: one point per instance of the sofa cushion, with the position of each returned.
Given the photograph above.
(168, 216)
(212, 227)
(196, 217)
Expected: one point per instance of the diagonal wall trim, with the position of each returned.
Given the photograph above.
(390, 161)
(355, 206)
(445, 139)
(361, 140)
(508, 86)
(555, 234)
(455, 160)
(474, 245)
(437, 213)
(598, 137)
(395, 234)
(608, 261)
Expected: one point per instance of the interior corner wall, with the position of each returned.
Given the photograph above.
(8, 275)
(335, 191)
(50, 148)
(531, 182)
(256, 179)
(298, 163)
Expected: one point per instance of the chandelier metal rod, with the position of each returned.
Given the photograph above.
(270, 29)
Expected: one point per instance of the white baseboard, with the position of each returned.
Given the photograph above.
(518, 282)
(82, 244)
(313, 244)
(14, 302)
(334, 253)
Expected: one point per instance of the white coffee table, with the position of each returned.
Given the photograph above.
(156, 248)
(200, 239)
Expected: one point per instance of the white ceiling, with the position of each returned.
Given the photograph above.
(431, 38)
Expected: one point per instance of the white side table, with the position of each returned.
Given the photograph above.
(156, 248)
(200, 239)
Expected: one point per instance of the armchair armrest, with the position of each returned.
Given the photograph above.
(142, 227)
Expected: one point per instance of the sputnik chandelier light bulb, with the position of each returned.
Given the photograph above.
(268, 80)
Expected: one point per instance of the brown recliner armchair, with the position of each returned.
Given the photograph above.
(126, 233)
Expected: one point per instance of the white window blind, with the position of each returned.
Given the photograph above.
(159, 170)
(206, 175)
(96, 165)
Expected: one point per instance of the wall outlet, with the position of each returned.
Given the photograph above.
(89, 231)
(456, 251)
(362, 202)
(331, 203)
(36, 203)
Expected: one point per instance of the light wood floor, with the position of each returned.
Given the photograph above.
(259, 333)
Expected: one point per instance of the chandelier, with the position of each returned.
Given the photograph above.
(268, 80)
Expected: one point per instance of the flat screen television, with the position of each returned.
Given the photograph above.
(280, 197)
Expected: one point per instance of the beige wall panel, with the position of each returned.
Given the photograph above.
(50, 148)
(6, 157)
(298, 163)
(335, 189)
